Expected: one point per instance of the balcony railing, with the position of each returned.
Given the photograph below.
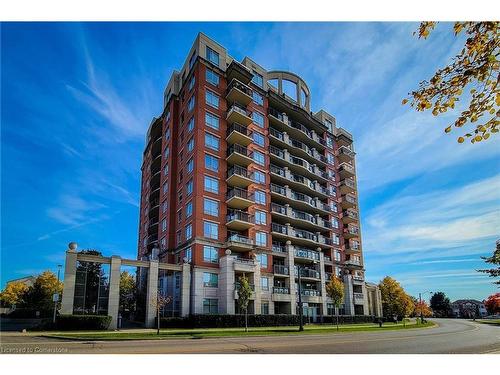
(305, 253)
(278, 189)
(279, 248)
(279, 228)
(281, 290)
(239, 149)
(305, 272)
(277, 170)
(240, 129)
(300, 233)
(239, 193)
(240, 86)
(310, 292)
(278, 208)
(280, 269)
(346, 167)
(238, 170)
(276, 151)
(358, 295)
(349, 183)
(350, 214)
(239, 215)
(236, 237)
(240, 109)
(343, 150)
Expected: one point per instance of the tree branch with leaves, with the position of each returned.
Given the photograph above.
(475, 68)
(335, 290)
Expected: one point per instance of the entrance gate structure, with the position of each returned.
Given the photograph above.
(113, 298)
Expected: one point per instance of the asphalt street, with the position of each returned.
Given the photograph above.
(450, 336)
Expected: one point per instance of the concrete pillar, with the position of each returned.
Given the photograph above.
(114, 290)
(348, 295)
(68, 295)
(152, 293)
(366, 309)
(226, 284)
(256, 283)
(185, 289)
(291, 263)
(323, 283)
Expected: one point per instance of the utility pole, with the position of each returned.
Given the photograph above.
(301, 325)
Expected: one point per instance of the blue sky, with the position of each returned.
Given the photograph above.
(77, 100)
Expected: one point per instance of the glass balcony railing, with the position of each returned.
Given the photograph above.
(238, 170)
(281, 290)
(279, 247)
(239, 215)
(281, 269)
(305, 253)
(236, 237)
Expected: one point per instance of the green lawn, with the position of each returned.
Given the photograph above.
(231, 332)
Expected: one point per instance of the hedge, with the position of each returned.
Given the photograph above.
(82, 322)
(229, 321)
(27, 313)
(349, 319)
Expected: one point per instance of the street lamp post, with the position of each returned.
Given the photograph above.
(301, 325)
(421, 309)
(55, 297)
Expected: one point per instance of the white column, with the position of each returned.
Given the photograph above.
(256, 283)
(114, 290)
(226, 284)
(152, 293)
(291, 263)
(68, 295)
(323, 281)
(348, 295)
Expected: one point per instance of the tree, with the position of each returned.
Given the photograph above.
(476, 68)
(440, 304)
(395, 301)
(39, 295)
(244, 294)
(127, 290)
(494, 259)
(335, 290)
(13, 294)
(492, 304)
(422, 309)
(159, 303)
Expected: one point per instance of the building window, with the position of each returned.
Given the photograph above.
(258, 139)
(191, 104)
(211, 141)
(212, 56)
(336, 255)
(333, 207)
(211, 120)
(190, 144)
(210, 207)
(210, 254)
(211, 163)
(179, 216)
(189, 231)
(258, 157)
(190, 126)
(210, 230)
(191, 83)
(257, 98)
(210, 306)
(164, 225)
(262, 259)
(261, 239)
(212, 78)
(188, 254)
(190, 165)
(211, 185)
(189, 187)
(189, 209)
(167, 134)
(164, 207)
(167, 150)
(258, 79)
(259, 177)
(179, 237)
(264, 283)
(192, 60)
(212, 99)
(260, 217)
(329, 141)
(165, 188)
(258, 119)
(330, 158)
(163, 243)
(264, 308)
(260, 197)
(165, 170)
(335, 222)
(336, 239)
(210, 280)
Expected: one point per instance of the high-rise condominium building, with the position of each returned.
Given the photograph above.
(240, 177)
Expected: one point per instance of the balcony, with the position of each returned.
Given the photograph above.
(237, 287)
(281, 290)
(352, 247)
(238, 176)
(244, 265)
(349, 216)
(306, 254)
(351, 232)
(239, 114)
(281, 270)
(358, 297)
(239, 220)
(239, 93)
(238, 134)
(345, 154)
(343, 137)
(352, 262)
(238, 243)
(238, 71)
(347, 186)
(279, 248)
(307, 273)
(239, 198)
(358, 279)
(310, 293)
(348, 201)
(346, 170)
(240, 155)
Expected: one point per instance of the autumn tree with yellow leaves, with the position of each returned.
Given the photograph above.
(474, 70)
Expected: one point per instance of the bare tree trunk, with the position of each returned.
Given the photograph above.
(337, 311)
(158, 320)
(246, 320)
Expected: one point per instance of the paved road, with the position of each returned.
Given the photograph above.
(451, 336)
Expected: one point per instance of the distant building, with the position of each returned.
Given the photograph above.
(468, 308)
(27, 280)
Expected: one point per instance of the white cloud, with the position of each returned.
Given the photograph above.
(73, 210)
